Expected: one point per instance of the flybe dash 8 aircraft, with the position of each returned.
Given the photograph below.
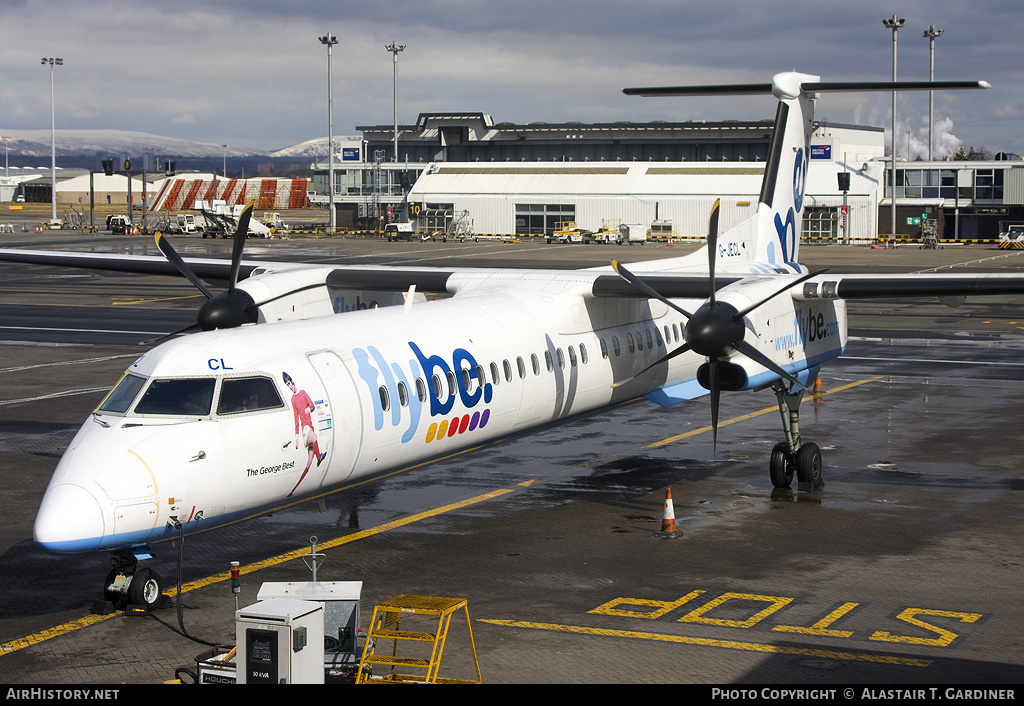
(285, 391)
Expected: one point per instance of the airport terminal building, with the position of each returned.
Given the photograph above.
(464, 171)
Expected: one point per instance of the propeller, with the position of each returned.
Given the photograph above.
(230, 308)
(716, 329)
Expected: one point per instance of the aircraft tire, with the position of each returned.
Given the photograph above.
(779, 468)
(145, 588)
(808, 466)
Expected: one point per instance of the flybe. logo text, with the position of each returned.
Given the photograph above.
(808, 327)
(453, 395)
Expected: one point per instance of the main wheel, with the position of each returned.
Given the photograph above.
(145, 588)
(779, 468)
(808, 465)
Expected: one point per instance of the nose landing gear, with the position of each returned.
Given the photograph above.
(127, 585)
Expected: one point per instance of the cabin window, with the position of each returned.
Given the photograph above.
(629, 342)
(403, 395)
(535, 363)
(480, 377)
(547, 361)
(436, 384)
(668, 338)
(521, 364)
(675, 333)
(421, 390)
(451, 383)
(183, 397)
(572, 356)
(657, 336)
(639, 341)
(508, 370)
(248, 395)
(494, 373)
(385, 398)
(583, 354)
(615, 345)
(467, 380)
(604, 349)
(561, 359)
(124, 393)
(647, 334)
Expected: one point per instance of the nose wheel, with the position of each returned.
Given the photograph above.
(128, 585)
(790, 457)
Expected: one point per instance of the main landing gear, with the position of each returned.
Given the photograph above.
(127, 585)
(790, 456)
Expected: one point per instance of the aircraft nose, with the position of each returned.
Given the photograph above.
(69, 520)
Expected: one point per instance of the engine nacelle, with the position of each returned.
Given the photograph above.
(732, 376)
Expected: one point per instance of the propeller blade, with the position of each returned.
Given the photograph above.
(740, 314)
(241, 234)
(758, 357)
(175, 259)
(713, 248)
(643, 287)
(716, 396)
(663, 359)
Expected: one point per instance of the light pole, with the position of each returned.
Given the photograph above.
(394, 48)
(329, 40)
(53, 142)
(7, 165)
(931, 33)
(894, 23)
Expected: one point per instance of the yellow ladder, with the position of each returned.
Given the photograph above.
(384, 625)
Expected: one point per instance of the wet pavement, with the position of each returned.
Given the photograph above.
(904, 569)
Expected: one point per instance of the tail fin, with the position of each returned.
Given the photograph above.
(774, 231)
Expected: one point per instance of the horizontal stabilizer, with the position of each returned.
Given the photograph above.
(754, 89)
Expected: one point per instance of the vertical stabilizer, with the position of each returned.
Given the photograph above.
(780, 206)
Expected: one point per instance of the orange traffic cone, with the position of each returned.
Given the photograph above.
(668, 519)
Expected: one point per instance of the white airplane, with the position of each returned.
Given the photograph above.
(292, 389)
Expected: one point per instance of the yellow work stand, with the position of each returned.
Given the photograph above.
(385, 626)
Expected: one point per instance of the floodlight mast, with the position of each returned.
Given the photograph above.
(930, 34)
(894, 23)
(329, 40)
(53, 140)
(394, 48)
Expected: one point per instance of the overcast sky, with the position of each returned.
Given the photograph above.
(252, 73)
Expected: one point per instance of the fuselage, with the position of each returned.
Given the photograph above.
(213, 427)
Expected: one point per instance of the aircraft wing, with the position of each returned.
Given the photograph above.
(894, 286)
(603, 285)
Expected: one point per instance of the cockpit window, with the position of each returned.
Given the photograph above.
(124, 393)
(183, 397)
(247, 395)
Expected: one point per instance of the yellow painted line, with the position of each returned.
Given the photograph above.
(710, 642)
(346, 539)
(758, 413)
(28, 641)
(42, 636)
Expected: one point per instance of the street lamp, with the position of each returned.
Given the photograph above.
(329, 40)
(53, 141)
(894, 23)
(394, 48)
(930, 34)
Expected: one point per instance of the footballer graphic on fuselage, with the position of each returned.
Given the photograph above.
(288, 389)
